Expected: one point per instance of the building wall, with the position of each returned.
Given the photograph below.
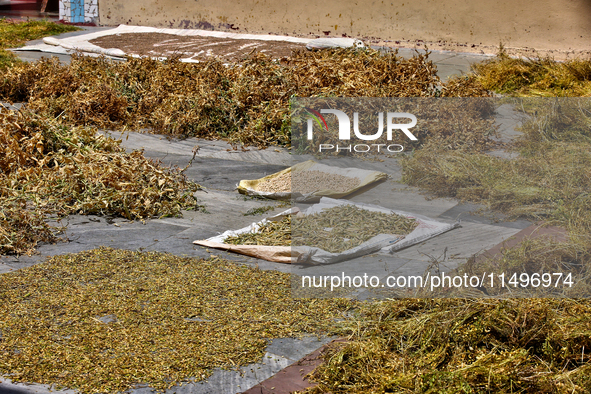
(541, 24)
(78, 11)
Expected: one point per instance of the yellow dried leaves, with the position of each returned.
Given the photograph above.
(106, 319)
(247, 102)
(47, 169)
(334, 229)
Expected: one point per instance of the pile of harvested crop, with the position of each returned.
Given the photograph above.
(547, 182)
(50, 170)
(334, 229)
(272, 233)
(345, 227)
(534, 77)
(308, 182)
(549, 173)
(453, 346)
(247, 102)
(105, 320)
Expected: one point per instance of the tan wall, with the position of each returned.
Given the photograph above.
(540, 24)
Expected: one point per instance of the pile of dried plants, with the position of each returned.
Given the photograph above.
(15, 33)
(105, 320)
(527, 77)
(50, 170)
(334, 229)
(547, 181)
(462, 346)
(246, 102)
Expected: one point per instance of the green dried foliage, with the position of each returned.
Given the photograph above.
(104, 320)
(247, 102)
(50, 170)
(272, 233)
(334, 229)
(542, 256)
(259, 210)
(7, 59)
(534, 76)
(548, 181)
(15, 33)
(462, 346)
(347, 226)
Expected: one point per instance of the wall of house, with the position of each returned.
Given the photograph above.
(78, 11)
(540, 24)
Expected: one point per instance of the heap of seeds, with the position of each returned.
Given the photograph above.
(270, 234)
(281, 183)
(308, 182)
(334, 230)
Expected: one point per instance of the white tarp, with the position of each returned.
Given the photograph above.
(337, 42)
(383, 243)
(81, 42)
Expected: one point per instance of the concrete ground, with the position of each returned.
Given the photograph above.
(219, 169)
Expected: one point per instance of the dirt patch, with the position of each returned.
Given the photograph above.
(193, 47)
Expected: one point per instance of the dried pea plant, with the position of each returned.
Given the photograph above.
(347, 226)
(462, 346)
(246, 102)
(334, 229)
(272, 233)
(50, 170)
(547, 181)
(121, 318)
